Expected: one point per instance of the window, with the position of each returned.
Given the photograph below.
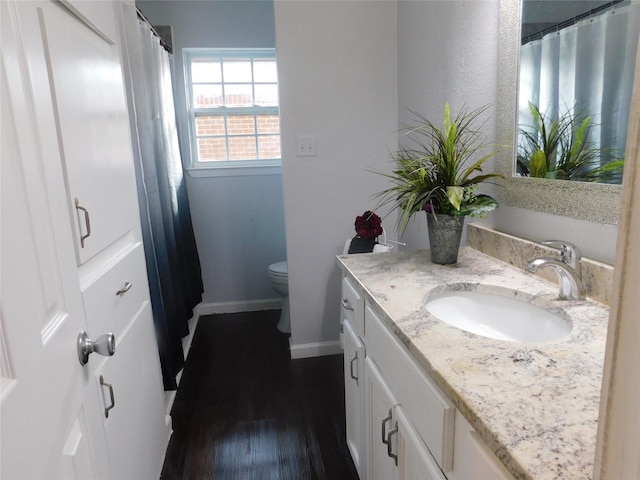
(233, 107)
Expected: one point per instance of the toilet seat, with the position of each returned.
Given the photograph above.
(279, 269)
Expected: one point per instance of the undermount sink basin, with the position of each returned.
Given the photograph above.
(497, 316)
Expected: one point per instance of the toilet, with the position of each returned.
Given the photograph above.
(279, 276)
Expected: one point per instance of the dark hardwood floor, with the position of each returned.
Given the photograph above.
(245, 410)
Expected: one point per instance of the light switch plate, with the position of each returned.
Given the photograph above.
(306, 145)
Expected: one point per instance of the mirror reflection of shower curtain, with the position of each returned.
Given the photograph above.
(586, 67)
(173, 264)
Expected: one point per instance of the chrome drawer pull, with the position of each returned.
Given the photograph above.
(388, 442)
(86, 222)
(125, 288)
(113, 398)
(346, 305)
(384, 423)
(354, 360)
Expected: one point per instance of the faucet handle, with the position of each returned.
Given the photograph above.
(571, 254)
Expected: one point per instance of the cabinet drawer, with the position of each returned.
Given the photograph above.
(108, 311)
(429, 410)
(352, 306)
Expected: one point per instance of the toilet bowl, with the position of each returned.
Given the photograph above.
(279, 276)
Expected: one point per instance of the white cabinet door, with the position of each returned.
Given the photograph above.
(472, 458)
(48, 402)
(414, 459)
(395, 449)
(354, 401)
(430, 411)
(84, 76)
(380, 420)
(135, 427)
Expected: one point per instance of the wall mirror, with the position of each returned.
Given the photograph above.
(595, 202)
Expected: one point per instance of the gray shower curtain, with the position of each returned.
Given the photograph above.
(586, 67)
(173, 265)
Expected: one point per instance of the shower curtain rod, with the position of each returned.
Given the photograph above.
(571, 21)
(163, 44)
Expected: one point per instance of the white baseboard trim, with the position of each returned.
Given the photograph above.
(239, 306)
(319, 349)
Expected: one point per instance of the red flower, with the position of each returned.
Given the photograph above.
(369, 225)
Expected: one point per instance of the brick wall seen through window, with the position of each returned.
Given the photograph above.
(233, 106)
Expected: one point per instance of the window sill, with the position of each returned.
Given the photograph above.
(234, 171)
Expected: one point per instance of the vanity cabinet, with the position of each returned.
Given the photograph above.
(400, 425)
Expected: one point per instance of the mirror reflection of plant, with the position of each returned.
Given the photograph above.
(440, 171)
(561, 149)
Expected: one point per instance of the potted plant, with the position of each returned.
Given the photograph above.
(439, 173)
(561, 149)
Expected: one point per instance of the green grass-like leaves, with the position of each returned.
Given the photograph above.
(560, 149)
(441, 169)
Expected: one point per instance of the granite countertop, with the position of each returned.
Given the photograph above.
(536, 405)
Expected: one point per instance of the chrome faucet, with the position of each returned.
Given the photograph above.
(567, 268)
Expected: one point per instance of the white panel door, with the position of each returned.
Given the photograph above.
(49, 407)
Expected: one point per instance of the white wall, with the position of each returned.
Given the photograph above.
(337, 70)
(239, 220)
(447, 52)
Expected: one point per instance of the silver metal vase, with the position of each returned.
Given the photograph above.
(445, 232)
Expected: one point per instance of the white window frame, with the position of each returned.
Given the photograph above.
(222, 167)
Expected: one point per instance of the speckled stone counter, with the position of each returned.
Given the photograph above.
(534, 404)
